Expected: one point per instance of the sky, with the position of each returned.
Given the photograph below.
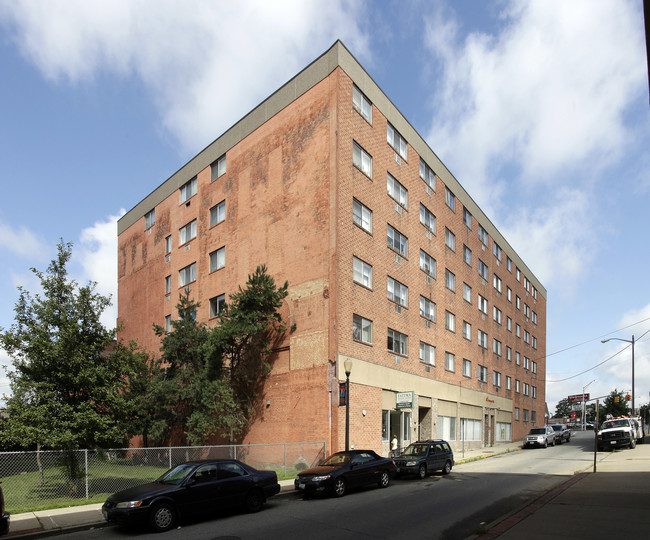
(539, 108)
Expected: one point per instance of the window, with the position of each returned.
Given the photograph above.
(509, 264)
(472, 429)
(508, 324)
(217, 213)
(361, 216)
(449, 361)
(361, 329)
(396, 191)
(509, 354)
(467, 293)
(397, 342)
(526, 362)
(518, 303)
(496, 347)
(526, 311)
(509, 294)
(482, 373)
(217, 168)
(467, 331)
(397, 292)
(149, 219)
(467, 218)
(533, 392)
(496, 281)
(450, 239)
(450, 321)
(534, 367)
(533, 417)
(525, 415)
(482, 269)
(517, 358)
(496, 378)
(427, 218)
(217, 304)
(427, 308)
(362, 160)
(517, 330)
(397, 241)
(168, 323)
(187, 275)
(427, 353)
(427, 175)
(534, 343)
(450, 280)
(467, 368)
(482, 235)
(496, 313)
(361, 103)
(534, 318)
(517, 386)
(217, 259)
(496, 250)
(516, 413)
(447, 427)
(518, 275)
(362, 272)
(168, 244)
(526, 389)
(427, 263)
(188, 189)
(526, 336)
(187, 232)
(396, 141)
(508, 382)
(482, 304)
(482, 339)
(450, 199)
(467, 255)
(526, 284)
(168, 284)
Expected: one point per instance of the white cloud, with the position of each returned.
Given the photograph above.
(536, 109)
(22, 242)
(97, 255)
(196, 58)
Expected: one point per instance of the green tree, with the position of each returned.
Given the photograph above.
(614, 406)
(70, 379)
(207, 380)
(563, 409)
(187, 403)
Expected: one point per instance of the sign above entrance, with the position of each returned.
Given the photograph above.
(404, 400)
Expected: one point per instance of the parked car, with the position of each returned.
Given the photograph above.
(195, 487)
(540, 436)
(4, 516)
(345, 470)
(616, 433)
(422, 457)
(562, 433)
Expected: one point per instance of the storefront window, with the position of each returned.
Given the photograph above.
(447, 427)
(385, 425)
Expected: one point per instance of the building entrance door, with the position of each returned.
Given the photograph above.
(424, 423)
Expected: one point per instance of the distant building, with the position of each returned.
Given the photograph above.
(390, 264)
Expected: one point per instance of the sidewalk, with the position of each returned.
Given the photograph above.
(585, 506)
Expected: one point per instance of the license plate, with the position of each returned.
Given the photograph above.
(612, 442)
(301, 486)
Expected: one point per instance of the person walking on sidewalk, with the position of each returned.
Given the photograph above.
(393, 446)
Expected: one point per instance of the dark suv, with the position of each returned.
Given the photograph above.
(4, 516)
(422, 457)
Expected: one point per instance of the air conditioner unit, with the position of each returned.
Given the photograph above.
(398, 259)
(427, 189)
(429, 280)
(398, 309)
(428, 324)
(398, 208)
(398, 159)
(168, 258)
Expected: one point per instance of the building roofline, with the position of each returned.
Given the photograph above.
(336, 56)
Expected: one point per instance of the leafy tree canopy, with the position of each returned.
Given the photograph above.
(613, 406)
(70, 379)
(563, 409)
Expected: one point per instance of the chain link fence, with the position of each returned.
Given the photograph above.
(56, 478)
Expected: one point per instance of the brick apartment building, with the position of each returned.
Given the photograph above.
(390, 264)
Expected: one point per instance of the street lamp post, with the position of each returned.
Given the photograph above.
(584, 404)
(632, 342)
(348, 370)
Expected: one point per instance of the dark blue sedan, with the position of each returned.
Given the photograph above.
(195, 487)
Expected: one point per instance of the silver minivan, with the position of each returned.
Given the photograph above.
(540, 436)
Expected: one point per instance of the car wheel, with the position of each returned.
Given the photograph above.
(162, 517)
(568, 439)
(384, 479)
(339, 488)
(447, 468)
(422, 471)
(545, 443)
(254, 500)
(632, 443)
(560, 441)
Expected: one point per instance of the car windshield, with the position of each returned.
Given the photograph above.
(615, 423)
(337, 459)
(557, 428)
(415, 450)
(538, 431)
(176, 475)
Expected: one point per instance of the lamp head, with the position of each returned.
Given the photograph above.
(348, 366)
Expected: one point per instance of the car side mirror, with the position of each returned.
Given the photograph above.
(190, 482)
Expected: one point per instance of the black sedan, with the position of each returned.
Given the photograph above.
(345, 470)
(195, 487)
(562, 433)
